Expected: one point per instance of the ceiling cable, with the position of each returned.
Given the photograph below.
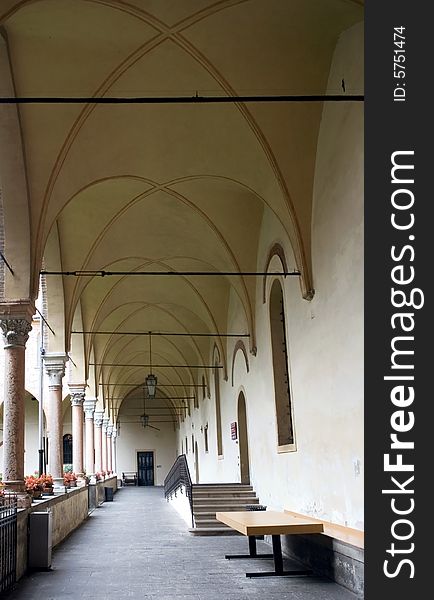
(157, 366)
(45, 321)
(181, 99)
(163, 333)
(103, 273)
(2, 256)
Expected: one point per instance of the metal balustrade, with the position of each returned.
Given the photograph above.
(8, 542)
(179, 476)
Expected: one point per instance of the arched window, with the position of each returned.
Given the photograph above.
(282, 388)
(205, 431)
(67, 449)
(218, 413)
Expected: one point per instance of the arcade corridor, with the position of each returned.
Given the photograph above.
(138, 547)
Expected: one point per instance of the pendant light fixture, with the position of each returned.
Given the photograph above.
(151, 380)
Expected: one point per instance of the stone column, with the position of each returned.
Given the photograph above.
(16, 323)
(89, 409)
(55, 369)
(105, 424)
(98, 417)
(77, 398)
(109, 448)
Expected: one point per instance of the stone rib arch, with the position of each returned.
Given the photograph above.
(239, 347)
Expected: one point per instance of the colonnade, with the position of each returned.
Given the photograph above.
(91, 429)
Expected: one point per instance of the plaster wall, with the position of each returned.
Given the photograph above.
(134, 438)
(324, 475)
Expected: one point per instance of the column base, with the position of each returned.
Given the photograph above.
(58, 485)
(15, 489)
(22, 499)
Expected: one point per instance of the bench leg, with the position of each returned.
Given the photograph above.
(252, 551)
(278, 564)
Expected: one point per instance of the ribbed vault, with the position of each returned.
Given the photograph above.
(186, 187)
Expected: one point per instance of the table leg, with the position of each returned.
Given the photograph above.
(278, 564)
(252, 551)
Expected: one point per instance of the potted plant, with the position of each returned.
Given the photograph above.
(70, 480)
(34, 486)
(47, 484)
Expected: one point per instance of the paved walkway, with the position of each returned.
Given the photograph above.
(138, 547)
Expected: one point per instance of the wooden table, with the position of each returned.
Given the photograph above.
(268, 522)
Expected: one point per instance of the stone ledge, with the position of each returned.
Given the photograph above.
(69, 510)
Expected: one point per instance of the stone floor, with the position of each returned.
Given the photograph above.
(138, 547)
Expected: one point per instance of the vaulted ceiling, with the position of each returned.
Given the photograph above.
(162, 187)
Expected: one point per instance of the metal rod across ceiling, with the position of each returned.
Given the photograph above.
(170, 333)
(159, 366)
(182, 99)
(102, 273)
(198, 385)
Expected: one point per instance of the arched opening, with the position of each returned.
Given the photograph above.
(218, 414)
(282, 390)
(243, 440)
(67, 450)
(205, 433)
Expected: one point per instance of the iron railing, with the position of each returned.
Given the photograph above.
(8, 542)
(178, 477)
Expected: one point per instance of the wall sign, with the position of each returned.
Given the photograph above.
(234, 433)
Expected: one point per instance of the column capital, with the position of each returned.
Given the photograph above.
(98, 418)
(55, 367)
(110, 430)
(15, 332)
(16, 323)
(76, 392)
(89, 407)
(105, 423)
(114, 433)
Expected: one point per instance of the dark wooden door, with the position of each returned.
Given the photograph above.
(145, 468)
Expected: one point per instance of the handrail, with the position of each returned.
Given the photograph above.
(178, 476)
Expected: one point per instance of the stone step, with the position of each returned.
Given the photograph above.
(224, 486)
(211, 509)
(223, 493)
(207, 523)
(213, 531)
(214, 497)
(224, 500)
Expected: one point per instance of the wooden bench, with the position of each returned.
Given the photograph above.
(354, 537)
(274, 523)
(129, 478)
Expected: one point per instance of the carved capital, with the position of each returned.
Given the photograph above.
(98, 418)
(89, 407)
(55, 368)
(109, 431)
(15, 332)
(77, 398)
(76, 392)
(105, 423)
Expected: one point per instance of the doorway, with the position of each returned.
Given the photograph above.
(243, 440)
(145, 468)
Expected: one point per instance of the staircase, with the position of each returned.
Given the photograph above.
(209, 498)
